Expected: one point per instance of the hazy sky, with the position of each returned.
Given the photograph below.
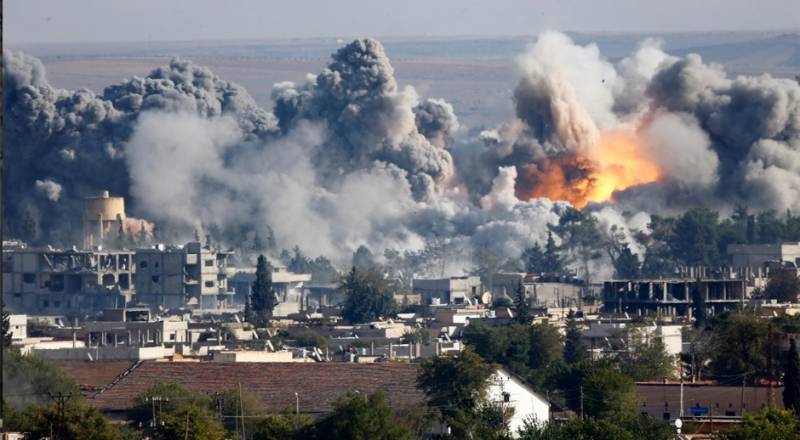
(134, 20)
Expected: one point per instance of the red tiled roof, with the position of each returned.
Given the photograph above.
(92, 376)
(318, 384)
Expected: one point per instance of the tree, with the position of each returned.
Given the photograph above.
(633, 428)
(646, 357)
(35, 377)
(235, 406)
(284, 426)
(791, 379)
(580, 235)
(455, 386)
(360, 417)
(740, 347)
(310, 338)
(553, 263)
(79, 422)
(626, 264)
(770, 424)
(783, 285)
(545, 346)
(363, 259)
(521, 305)
(171, 411)
(609, 393)
(368, 296)
(695, 237)
(574, 348)
(322, 271)
(262, 295)
(533, 259)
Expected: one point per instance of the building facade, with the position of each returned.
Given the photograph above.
(453, 290)
(66, 282)
(191, 276)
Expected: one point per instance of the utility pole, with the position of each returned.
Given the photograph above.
(741, 399)
(581, 401)
(241, 410)
(61, 402)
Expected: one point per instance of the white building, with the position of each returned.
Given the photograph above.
(18, 327)
(453, 290)
(524, 404)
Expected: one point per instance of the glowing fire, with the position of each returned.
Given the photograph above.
(615, 162)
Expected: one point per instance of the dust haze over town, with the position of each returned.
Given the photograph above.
(302, 177)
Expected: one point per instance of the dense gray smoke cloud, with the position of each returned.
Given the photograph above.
(716, 141)
(351, 158)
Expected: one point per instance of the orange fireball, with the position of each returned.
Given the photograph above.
(615, 162)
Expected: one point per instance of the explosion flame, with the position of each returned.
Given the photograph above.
(618, 160)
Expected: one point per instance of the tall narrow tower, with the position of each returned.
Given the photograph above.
(100, 216)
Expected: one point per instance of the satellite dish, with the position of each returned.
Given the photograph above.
(486, 298)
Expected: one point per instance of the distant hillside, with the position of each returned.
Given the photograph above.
(779, 51)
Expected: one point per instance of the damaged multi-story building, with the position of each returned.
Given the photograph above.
(719, 291)
(191, 276)
(71, 282)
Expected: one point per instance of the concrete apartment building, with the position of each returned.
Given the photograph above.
(542, 290)
(453, 290)
(756, 256)
(673, 296)
(48, 281)
(191, 276)
(122, 334)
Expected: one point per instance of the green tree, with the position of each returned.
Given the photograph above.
(770, 424)
(609, 393)
(626, 264)
(284, 426)
(770, 228)
(533, 258)
(368, 296)
(521, 305)
(189, 421)
(360, 417)
(262, 295)
(545, 346)
(580, 235)
(30, 380)
(695, 237)
(633, 428)
(363, 259)
(168, 397)
(646, 358)
(234, 403)
(80, 422)
(783, 285)
(553, 263)
(740, 346)
(455, 387)
(574, 348)
(322, 271)
(310, 338)
(791, 379)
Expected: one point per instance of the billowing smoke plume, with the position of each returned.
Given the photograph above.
(652, 132)
(351, 158)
